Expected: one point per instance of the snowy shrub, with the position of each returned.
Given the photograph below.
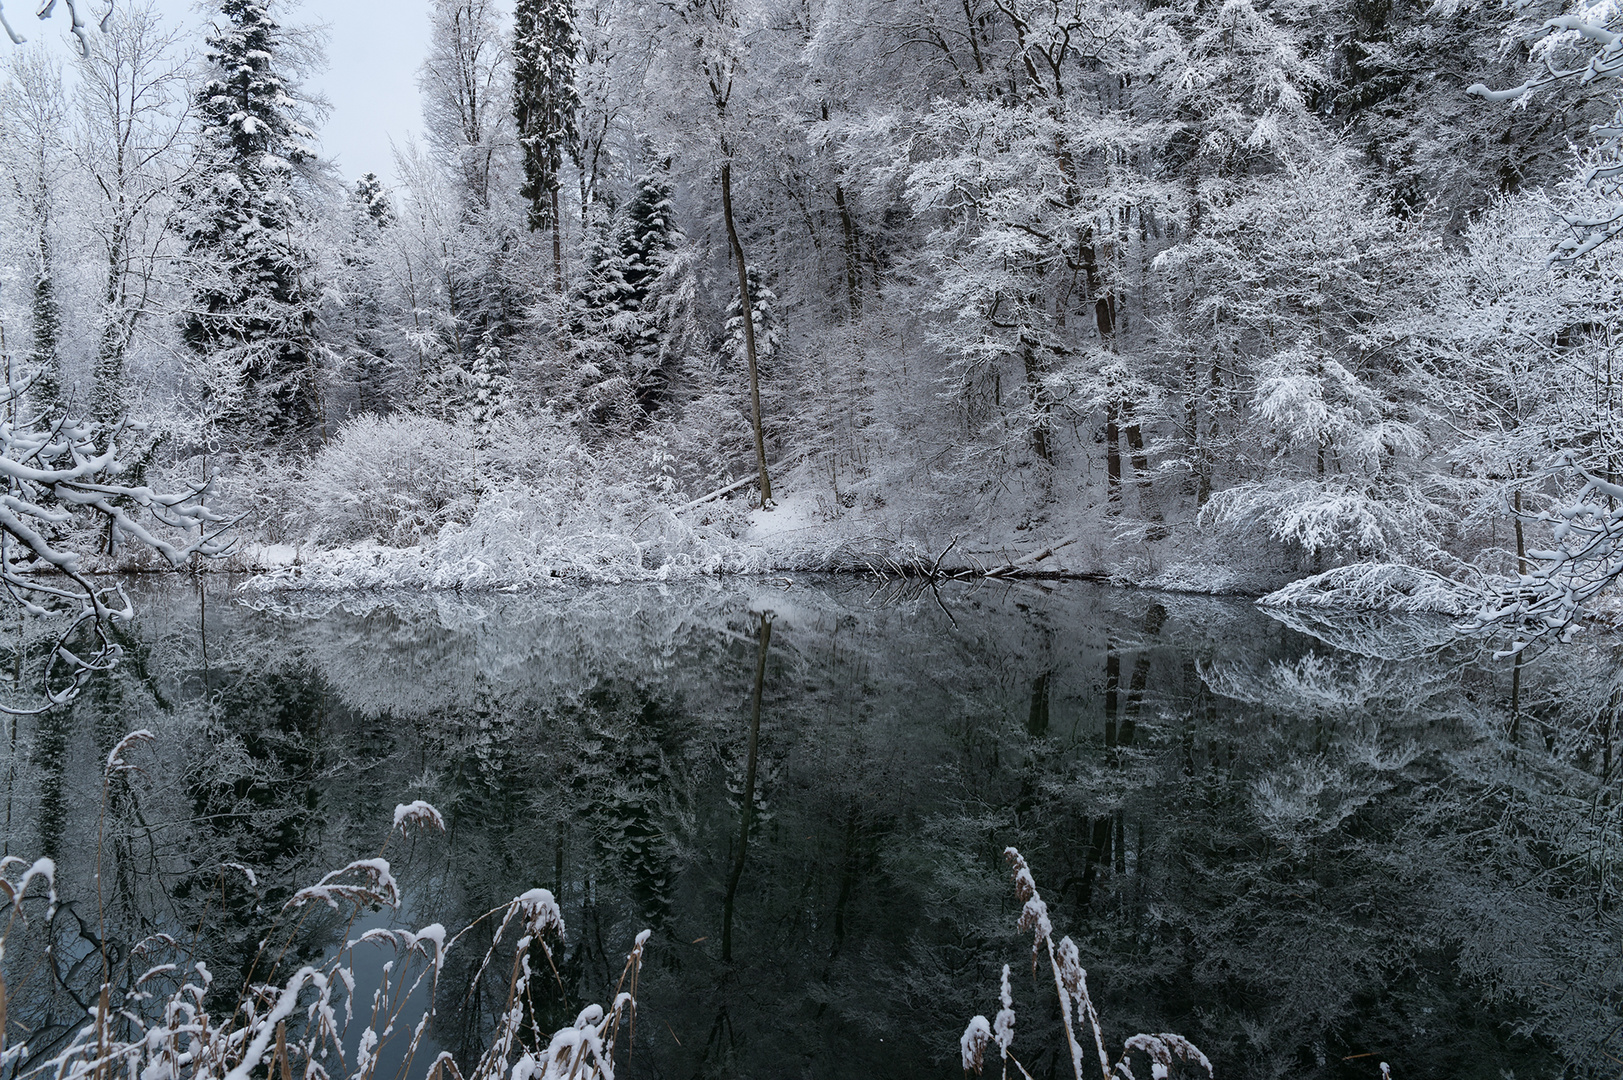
(1326, 519)
(398, 479)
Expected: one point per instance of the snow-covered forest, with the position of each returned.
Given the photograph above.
(1207, 296)
(1307, 300)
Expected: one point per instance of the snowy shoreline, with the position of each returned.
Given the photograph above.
(1360, 588)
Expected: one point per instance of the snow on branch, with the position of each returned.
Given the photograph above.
(1562, 582)
(1605, 168)
(76, 24)
(1394, 587)
(63, 474)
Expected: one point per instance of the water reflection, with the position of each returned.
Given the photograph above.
(1308, 844)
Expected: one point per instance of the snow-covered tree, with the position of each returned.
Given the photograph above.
(466, 100)
(487, 387)
(356, 324)
(254, 294)
(708, 65)
(132, 117)
(545, 105)
(648, 237)
(33, 164)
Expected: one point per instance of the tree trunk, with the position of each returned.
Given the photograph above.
(557, 244)
(1112, 690)
(1112, 456)
(745, 308)
(1039, 402)
(1147, 504)
(853, 267)
(1521, 542)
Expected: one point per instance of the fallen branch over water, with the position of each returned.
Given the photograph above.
(921, 566)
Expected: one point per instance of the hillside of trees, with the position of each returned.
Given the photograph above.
(1203, 295)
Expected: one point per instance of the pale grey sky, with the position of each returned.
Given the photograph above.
(373, 54)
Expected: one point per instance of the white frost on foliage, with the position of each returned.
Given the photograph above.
(1377, 587)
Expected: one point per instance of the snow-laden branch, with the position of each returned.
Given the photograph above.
(62, 475)
(1606, 167)
(1562, 581)
(76, 24)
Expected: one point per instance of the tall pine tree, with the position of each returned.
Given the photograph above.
(545, 104)
(253, 307)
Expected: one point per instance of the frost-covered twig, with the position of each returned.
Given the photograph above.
(1605, 169)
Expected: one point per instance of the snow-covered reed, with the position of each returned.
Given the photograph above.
(1084, 1035)
(161, 1014)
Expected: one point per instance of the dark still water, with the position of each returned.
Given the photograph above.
(1308, 846)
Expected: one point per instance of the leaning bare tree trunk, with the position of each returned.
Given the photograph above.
(744, 307)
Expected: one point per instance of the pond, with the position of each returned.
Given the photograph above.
(1310, 845)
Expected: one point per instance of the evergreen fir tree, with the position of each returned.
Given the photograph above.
(649, 238)
(488, 385)
(371, 196)
(253, 305)
(44, 354)
(604, 300)
(545, 104)
(602, 306)
(615, 333)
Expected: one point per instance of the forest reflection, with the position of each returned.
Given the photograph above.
(1309, 845)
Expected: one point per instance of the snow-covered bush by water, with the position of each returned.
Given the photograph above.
(1377, 587)
(397, 479)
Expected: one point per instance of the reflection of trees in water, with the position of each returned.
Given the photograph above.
(1288, 843)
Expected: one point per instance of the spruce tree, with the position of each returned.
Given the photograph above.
(44, 354)
(488, 385)
(545, 104)
(371, 196)
(649, 238)
(253, 303)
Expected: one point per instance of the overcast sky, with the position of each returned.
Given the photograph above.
(373, 54)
